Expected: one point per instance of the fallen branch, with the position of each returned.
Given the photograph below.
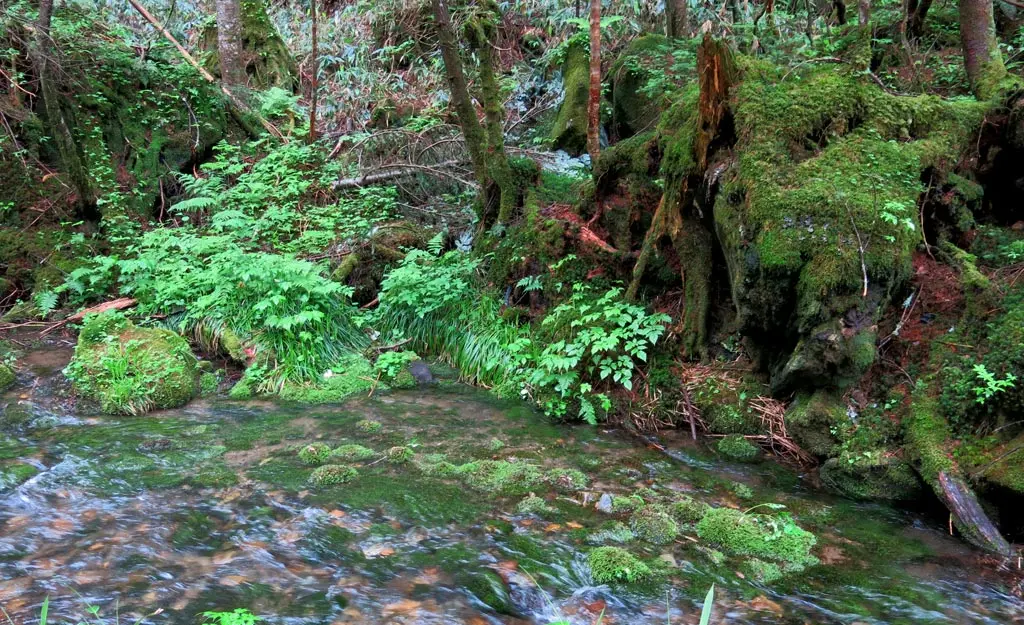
(403, 170)
(116, 304)
(240, 108)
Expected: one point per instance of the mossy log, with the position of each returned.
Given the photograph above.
(929, 441)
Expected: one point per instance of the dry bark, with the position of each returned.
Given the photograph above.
(229, 42)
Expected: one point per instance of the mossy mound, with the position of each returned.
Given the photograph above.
(352, 453)
(654, 524)
(352, 374)
(688, 510)
(399, 454)
(502, 477)
(315, 454)
(609, 565)
(332, 475)
(570, 130)
(12, 475)
(532, 504)
(815, 421)
(772, 538)
(872, 475)
(132, 370)
(725, 409)
(737, 447)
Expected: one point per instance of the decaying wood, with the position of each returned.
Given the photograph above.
(116, 304)
(969, 517)
(238, 108)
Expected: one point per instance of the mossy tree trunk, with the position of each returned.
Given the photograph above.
(863, 12)
(229, 43)
(59, 122)
(484, 142)
(676, 19)
(982, 59)
(594, 103)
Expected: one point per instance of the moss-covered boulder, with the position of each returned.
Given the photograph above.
(610, 565)
(570, 130)
(641, 78)
(737, 447)
(873, 475)
(771, 538)
(6, 376)
(815, 421)
(132, 370)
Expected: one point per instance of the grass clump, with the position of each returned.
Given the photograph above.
(333, 474)
(315, 454)
(614, 564)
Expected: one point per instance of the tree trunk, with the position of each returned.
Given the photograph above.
(594, 104)
(863, 12)
(676, 18)
(229, 42)
(314, 71)
(982, 59)
(59, 126)
(917, 11)
(840, 8)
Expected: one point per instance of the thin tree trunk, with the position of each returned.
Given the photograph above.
(863, 12)
(917, 11)
(472, 131)
(840, 7)
(594, 104)
(676, 19)
(982, 59)
(313, 81)
(229, 42)
(59, 126)
(237, 108)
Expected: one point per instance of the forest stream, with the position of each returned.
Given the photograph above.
(206, 508)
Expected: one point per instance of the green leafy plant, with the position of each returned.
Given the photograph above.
(989, 384)
(390, 364)
(238, 616)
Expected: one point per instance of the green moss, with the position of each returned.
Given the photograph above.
(14, 474)
(927, 436)
(741, 490)
(570, 130)
(568, 480)
(771, 538)
(315, 454)
(502, 477)
(352, 453)
(610, 565)
(871, 475)
(399, 455)
(737, 447)
(208, 383)
(132, 370)
(626, 503)
(6, 377)
(761, 571)
(241, 389)
(688, 510)
(333, 474)
(654, 524)
(533, 504)
(352, 374)
(815, 421)
(489, 588)
(368, 426)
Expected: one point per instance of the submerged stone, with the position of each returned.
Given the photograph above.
(613, 564)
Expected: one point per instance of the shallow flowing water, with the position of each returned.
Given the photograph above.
(207, 508)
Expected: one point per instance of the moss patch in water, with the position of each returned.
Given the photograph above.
(314, 454)
(654, 524)
(761, 571)
(567, 480)
(15, 474)
(502, 477)
(419, 499)
(737, 447)
(6, 377)
(771, 538)
(368, 427)
(332, 475)
(688, 510)
(609, 565)
(626, 503)
(352, 375)
(532, 504)
(486, 586)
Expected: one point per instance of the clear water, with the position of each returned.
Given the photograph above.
(205, 508)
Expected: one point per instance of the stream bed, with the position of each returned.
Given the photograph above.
(208, 508)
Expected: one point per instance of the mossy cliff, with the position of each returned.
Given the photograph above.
(132, 370)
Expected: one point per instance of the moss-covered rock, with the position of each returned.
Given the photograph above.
(570, 130)
(873, 475)
(654, 524)
(489, 588)
(352, 453)
(688, 510)
(6, 377)
(737, 447)
(132, 370)
(532, 504)
(610, 565)
(568, 480)
(774, 538)
(14, 474)
(352, 374)
(399, 454)
(315, 454)
(333, 474)
(367, 426)
(502, 477)
(816, 420)
(649, 66)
